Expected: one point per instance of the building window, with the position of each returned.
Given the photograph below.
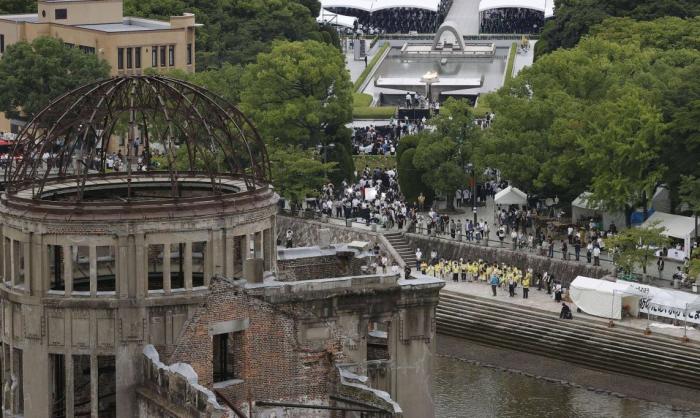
(61, 14)
(171, 55)
(199, 259)
(87, 49)
(120, 58)
(227, 356)
(162, 56)
(154, 56)
(189, 54)
(137, 57)
(56, 267)
(2, 43)
(106, 268)
(129, 58)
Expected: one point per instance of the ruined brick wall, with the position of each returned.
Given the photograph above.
(275, 365)
(322, 267)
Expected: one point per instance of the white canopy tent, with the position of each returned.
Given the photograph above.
(582, 207)
(544, 6)
(676, 226)
(510, 196)
(335, 19)
(602, 298)
(376, 5)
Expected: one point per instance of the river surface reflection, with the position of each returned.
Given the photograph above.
(462, 389)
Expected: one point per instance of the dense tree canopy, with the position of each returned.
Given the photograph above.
(573, 19)
(17, 6)
(31, 75)
(440, 156)
(235, 31)
(616, 115)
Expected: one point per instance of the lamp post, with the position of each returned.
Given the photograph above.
(471, 170)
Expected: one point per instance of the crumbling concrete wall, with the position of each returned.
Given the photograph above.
(174, 391)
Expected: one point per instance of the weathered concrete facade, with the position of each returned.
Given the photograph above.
(85, 291)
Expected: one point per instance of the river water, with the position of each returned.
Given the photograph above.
(462, 389)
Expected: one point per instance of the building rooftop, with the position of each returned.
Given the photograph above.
(31, 18)
(129, 24)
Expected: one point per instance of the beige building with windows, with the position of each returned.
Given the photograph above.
(130, 45)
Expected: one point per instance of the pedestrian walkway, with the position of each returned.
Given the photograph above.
(541, 301)
(465, 14)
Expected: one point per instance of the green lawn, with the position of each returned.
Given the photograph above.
(362, 110)
(373, 161)
(365, 73)
(511, 61)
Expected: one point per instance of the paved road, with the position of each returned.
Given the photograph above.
(465, 13)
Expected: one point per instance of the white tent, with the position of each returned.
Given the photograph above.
(581, 207)
(603, 298)
(511, 196)
(335, 19)
(676, 226)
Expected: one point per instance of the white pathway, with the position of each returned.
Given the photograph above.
(465, 13)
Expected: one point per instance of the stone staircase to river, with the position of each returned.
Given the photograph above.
(583, 341)
(402, 247)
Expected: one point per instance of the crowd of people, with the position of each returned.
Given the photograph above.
(396, 19)
(502, 275)
(518, 225)
(383, 140)
(512, 20)
(374, 198)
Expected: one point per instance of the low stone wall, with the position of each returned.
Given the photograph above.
(562, 270)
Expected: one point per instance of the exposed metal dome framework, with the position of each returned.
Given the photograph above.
(196, 131)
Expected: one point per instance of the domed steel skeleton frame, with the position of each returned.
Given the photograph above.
(78, 127)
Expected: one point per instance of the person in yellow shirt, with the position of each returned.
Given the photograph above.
(464, 268)
(526, 283)
(455, 271)
(431, 270)
(438, 269)
(423, 267)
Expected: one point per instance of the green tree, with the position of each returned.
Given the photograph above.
(574, 19)
(442, 155)
(31, 75)
(690, 195)
(17, 6)
(236, 31)
(634, 247)
(296, 172)
(409, 176)
(300, 94)
(628, 134)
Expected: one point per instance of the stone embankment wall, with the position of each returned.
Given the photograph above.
(562, 270)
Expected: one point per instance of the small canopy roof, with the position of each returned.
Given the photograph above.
(325, 16)
(376, 5)
(677, 226)
(544, 6)
(511, 196)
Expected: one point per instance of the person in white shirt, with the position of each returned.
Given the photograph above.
(419, 257)
(596, 256)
